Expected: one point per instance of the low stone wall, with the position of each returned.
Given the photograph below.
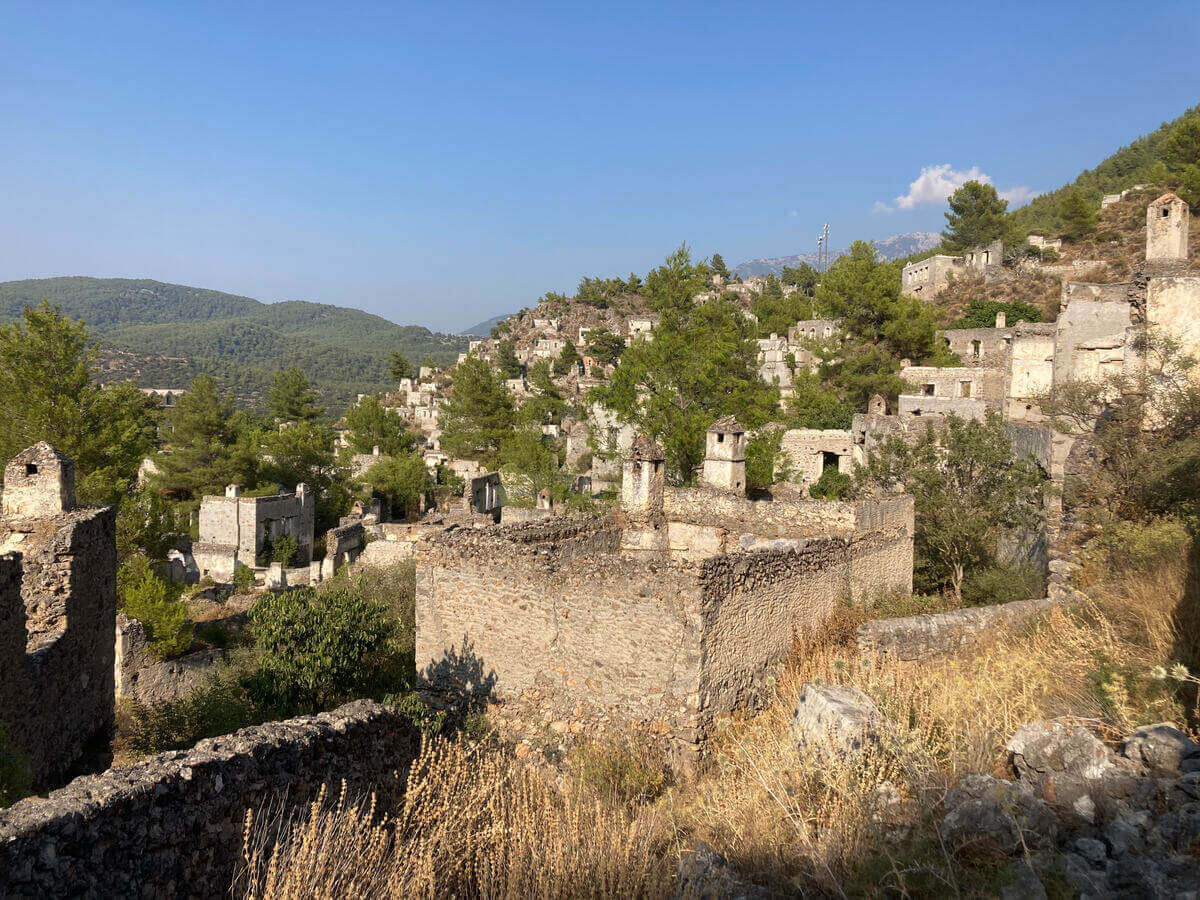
(937, 634)
(172, 824)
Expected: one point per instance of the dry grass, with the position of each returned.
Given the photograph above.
(472, 823)
(476, 823)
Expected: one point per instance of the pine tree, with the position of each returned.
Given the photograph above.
(399, 366)
(208, 444)
(507, 362)
(976, 217)
(370, 424)
(1078, 215)
(292, 398)
(478, 415)
(718, 266)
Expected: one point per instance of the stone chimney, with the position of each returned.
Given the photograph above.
(1001, 320)
(233, 490)
(642, 482)
(1167, 229)
(39, 483)
(725, 455)
(877, 406)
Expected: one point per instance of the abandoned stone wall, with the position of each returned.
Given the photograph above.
(737, 515)
(56, 680)
(171, 825)
(979, 346)
(939, 634)
(1173, 307)
(1116, 292)
(806, 448)
(755, 604)
(1090, 337)
(1029, 369)
(558, 630)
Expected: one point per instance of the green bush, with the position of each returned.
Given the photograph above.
(1002, 584)
(219, 705)
(832, 485)
(1140, 547)
(14, 773)
(316, 649)
(243, 579)
(285, 550)
(155, 603)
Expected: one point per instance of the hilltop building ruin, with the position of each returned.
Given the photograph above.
(237, 530)
(58, 607)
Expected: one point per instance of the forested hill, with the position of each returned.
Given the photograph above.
(165, 334)
(1168, 156)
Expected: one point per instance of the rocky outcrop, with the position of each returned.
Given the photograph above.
(1111, 824)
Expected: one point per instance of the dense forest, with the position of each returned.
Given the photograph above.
(239, 340)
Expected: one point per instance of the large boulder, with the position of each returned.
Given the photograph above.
(1071, 769)
(989, 817)
(835, 718)
(1163, 749)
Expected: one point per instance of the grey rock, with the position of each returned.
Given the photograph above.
(1162, 748)
(1023, 883)
(1034, 818)
(1179, 829)
(1083, 876)
(705, 874)
(981, 828)
(835, 718)
(1039, 749)
(1124, 835)
(1091, 849)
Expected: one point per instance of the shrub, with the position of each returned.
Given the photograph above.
(315, 649)
(285, 550)
(156, 604)
(243, 578)
(584, 463)
(14, 773)
(832, 485)
(1140, 547)
(624, 771)
(1002, 584)
(219, 705)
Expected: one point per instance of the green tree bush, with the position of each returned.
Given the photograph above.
(210, 443)
(284, 550)
(478, 415)
(370, 424)
(156, 604)
(399, 366)
(976, 217)
(968, 486)
(1078, 215)
(832, 485)
(315, 649)
(292, 398)
(403, 479)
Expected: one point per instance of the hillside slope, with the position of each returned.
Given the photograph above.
(166, 334)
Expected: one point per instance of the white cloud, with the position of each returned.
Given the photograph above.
(936, 183)
(793, 213)
(1019, 195)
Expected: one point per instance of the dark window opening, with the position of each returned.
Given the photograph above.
(928, 390)
(30, 468)
(1165, 211)
(828, 460)
(975, 347)
(720, 438)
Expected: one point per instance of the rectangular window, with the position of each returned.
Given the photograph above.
(928, 390)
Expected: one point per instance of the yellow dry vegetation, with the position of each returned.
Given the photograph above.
(477, 822)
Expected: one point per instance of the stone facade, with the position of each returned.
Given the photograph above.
(811, 451)
(966, 391)
(930, 276)
(58, 605)
(940, 634)
(140, 675)
(171, 825)
(236, 529)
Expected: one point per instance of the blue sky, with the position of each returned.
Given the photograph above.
(445, 162)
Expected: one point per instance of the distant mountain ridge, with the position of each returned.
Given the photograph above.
(484, 329)
(165, 334)
(897, 246)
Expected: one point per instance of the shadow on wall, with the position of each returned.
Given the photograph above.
(459, 677)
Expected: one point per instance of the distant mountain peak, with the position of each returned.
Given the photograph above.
(897, 246)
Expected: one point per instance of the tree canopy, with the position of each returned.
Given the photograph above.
(211, 444)
(478, 415)
(370, 424)
(976, 217)
(47, 394)
(292, 398)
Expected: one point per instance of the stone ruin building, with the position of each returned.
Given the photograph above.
(673, 612)
(236, 529)
(58, 607)
(930, 276)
